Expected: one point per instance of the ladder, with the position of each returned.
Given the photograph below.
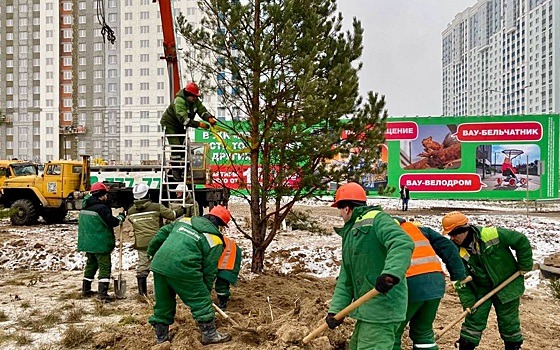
(169, 167)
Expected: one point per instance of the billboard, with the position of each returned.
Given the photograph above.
(461, 157)
(484, 157)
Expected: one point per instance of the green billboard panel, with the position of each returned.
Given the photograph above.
(490, 157)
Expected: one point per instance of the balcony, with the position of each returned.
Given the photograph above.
(71, 130)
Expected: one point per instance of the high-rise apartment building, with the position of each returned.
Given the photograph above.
(502, 57)
(66, 90)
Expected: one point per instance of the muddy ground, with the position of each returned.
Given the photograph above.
(44, 310)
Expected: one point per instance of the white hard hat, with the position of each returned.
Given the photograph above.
(180, 188)
(140, 190)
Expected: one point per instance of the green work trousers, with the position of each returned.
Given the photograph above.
(374, 336)
(508, 321)
(421, 315)
(222, 287)
(175, 128)
(143, 265)
(194, 294)
(95, 261)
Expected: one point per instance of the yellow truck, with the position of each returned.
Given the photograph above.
(63, 184)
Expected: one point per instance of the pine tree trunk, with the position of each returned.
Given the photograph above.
(257, 260)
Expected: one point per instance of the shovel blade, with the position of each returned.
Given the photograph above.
(120, 288)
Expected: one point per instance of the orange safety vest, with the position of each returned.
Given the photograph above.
(227, 260)
(424, 258)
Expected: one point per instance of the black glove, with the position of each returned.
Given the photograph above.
(333, 322)
(385, 283)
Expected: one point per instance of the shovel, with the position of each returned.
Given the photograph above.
(358, 302)
(234, 324)
(120, 284)
(478, 303)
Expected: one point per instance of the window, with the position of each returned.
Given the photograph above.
(144, 100)
(128, 16)
(144, 29)
(128, 72)
(143, 43)
(144, 57)
(128, 44)
(145, 15)
(82, 61)
(68, 61)
(98, 60)
(144, 72)
(67, 6)
(160, 85)
(127, 58)
(144, 128)
(68, 117)
(128, 100)
(128, 86)
(128, 128)
(144, 143)
(144, 86)
(128, 143)
(67, 19)
(112, 87)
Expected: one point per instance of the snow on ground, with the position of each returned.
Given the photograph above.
(54, 247)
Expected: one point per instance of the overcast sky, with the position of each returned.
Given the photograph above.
(402, 50)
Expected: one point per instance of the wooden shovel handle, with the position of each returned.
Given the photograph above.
(347, 310)
(478, 303)
(224, 315)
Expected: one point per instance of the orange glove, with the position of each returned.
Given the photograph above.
(212, 121)
(204, 126)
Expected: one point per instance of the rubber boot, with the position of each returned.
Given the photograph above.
(210, 335)
(103, 292)
(142, 285)
(513, 345)
(464, 344)
(86, 289)
(222, 302)
(162, 332)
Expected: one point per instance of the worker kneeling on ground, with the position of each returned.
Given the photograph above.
(376, 253)
(230, 260)
(426, 282)
(185, 263)
(486, 254)
(146, 218)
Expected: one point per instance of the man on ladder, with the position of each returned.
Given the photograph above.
(178, 117)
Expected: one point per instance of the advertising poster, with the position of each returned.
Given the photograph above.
(462, 157)
(491, 157)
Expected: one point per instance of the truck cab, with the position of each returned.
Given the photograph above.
(60, 187)
(13, 168)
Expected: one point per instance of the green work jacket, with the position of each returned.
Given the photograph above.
(182, 111)
(95, 227)
(187, 249)
(146, 218)
(372, 244)
(494, 263)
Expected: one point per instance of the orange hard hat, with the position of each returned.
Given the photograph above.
(453, 220)
(349, 192)
(192, 89)
(222, 213)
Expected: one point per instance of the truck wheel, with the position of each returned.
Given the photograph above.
(24, 213)
(56, 216)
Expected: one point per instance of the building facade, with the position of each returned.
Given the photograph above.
(502, 57)
(67, 90)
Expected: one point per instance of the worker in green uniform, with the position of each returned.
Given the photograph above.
(180, 115)
(185, 263)
(146, 218)
(229, 263)
(97, 239)
(376, 253)
(426, 282)
(487, 254)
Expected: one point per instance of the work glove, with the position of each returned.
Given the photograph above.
(385, 283)
(333, 322)
(522, 272)
(203, 126)
(212, 121)
(121, 217)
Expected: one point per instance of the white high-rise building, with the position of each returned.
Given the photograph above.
(502, 57)
(65, 90)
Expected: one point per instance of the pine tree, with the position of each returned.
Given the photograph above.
(292, 72)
